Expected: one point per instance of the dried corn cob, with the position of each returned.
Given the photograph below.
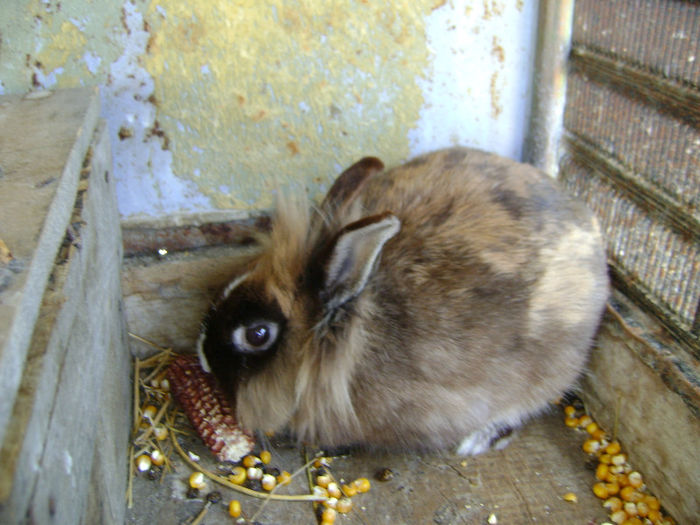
(207, 409)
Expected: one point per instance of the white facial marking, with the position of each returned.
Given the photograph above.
(200, 352)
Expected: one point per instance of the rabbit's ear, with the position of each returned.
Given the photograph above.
(348, 185)
(353, 255)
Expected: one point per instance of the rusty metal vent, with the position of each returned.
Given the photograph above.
(632, 137)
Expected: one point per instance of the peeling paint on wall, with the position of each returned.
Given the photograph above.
(216, 104)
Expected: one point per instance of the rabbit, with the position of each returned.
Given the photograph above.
(437, 304)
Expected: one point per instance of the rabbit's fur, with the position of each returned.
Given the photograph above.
(440, 302)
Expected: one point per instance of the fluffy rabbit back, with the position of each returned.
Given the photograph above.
(481, 289)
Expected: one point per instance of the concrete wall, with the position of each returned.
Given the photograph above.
(214, 105)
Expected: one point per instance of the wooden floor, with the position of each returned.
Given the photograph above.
(524, 483)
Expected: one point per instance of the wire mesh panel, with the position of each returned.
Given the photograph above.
(632, 126)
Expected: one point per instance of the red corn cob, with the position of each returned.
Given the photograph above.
(208, 410)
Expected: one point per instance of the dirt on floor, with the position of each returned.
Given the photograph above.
(523, 483)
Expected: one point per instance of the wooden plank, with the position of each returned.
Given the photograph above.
(49, 454)
(42, 145)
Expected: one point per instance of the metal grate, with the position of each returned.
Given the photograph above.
(632, 135)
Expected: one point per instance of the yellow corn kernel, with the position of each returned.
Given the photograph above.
(323, 480)
(605, 458)
(591, 427)
(600, 490)
(149, 412)
(630, 508)
(569, 410)
(268, 482)
(196, 480)
(635, 479)
(249, 461)
(613, 504)
(584, 421)
(654, 515)
(362, 485)
(591, 446)
(618, 459)
(284, 478)
(143, 462)
(331, 503)
(601, 471)
(613, 488)
(652, 502)
(344, 505)
(571, 422)
(642, 509)
(234, 508)
(570, 497)
(349, 490)
(598, 434)
(160, 432)
(157, 458)
(628, 493)
(237, 476)
(613, 448)
(254, 473)
(619, 516)
(328, 515)
(622, 480)
(265, 456)
(321, 492)
(632, 521)
(333, 490)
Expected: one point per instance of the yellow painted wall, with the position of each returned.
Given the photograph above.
(215, 104)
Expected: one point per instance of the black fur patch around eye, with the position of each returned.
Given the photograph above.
(245, 306)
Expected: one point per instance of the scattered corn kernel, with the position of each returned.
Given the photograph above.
(584, 421)
(591, 446)
(605, 458)
(344, 505)
(333, 490)
(321, 492)
(633, 521)
(630, 508)
(157, 458)
(599, 434)
(268, 481)
(160, 432)
(591, 427)
(237, 476)
(618, 459)
(234, 508)
(642, 509)
(362, 485)
(143, 463)
(331, 503)
(265, 457)
(613, 488)
(149, 412)
(635, 479)
(652, 502)
(601, 490)
(629, 493)
(254, 473)
(571, 422)
(654, 515)
(196, 480)
(619, 516)
(570, 497)
(328, 515)
(613, 504)
(283, 478)
(349, 490)
(601, 471)
(613, 448)
(569, 411)
(323, 480)
(322, 462)
(249, 461)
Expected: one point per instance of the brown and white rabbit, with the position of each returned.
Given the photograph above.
(436, 304)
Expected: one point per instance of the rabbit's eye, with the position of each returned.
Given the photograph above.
(255, 337)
